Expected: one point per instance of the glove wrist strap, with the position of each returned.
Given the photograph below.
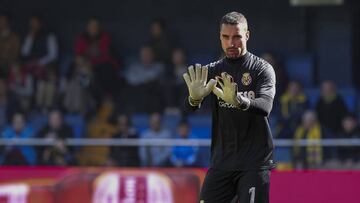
(244, 103)
(194, 102)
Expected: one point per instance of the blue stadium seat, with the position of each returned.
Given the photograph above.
(300, 68)
(171, 121)
(37, 121)
(283, 154)
(350, 98)
(77, 122)
(313, 95)
(200, 120)
(202, 132)
(140, 121)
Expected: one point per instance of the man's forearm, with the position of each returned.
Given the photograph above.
(261, 106)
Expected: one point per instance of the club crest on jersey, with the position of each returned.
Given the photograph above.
(246, 79)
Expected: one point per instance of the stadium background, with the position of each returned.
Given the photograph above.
(307, 44)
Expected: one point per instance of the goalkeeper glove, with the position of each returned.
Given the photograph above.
(196, 83)
(229, 92)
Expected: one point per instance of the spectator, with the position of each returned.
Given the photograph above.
(95, 45)
(99, 127)
(9, 46)
(159, 41)
(143, 79)
(155, 156)
(330, 108)
(146, 71)
(21, 83)
(293, 104)
(40, 48)
(350, 129)
(125, 155)
(183, 156)
(77, 94)
(47, 94)
(310, 156)
(176, 89)
(18, 155)
(9, 104)
(56, 129)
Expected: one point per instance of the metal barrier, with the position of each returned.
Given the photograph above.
(168, 142)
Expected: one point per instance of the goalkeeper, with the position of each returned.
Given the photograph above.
(241, 88)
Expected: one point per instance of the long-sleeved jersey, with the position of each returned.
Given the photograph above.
(241, 139)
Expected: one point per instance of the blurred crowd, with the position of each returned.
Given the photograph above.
(104, 91)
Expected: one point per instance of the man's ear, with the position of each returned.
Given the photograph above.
(247, 35)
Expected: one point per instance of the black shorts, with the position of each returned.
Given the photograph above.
(235, 186)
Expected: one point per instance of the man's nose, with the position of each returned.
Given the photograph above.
(231, 43)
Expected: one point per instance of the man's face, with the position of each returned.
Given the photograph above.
(55, 119)
(155, 122)
(233, 39)
(18, 122)
(146, 55)
(93, 28)
(3, 23)
(35, 24)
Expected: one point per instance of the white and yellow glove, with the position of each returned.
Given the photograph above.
(229, 92)
(196, 81)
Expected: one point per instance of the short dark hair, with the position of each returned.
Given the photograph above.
(233, 18)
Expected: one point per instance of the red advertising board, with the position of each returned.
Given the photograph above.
(125, 185)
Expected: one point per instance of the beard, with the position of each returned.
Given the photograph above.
(233, 53)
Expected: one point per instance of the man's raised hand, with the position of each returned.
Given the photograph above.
(196, 81)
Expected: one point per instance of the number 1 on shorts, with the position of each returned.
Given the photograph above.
(252, 192)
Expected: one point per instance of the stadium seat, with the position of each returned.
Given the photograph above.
(313, 95)
(77, 123)
(300, 68)
(140, 121)
(350, 98)
(37, 121)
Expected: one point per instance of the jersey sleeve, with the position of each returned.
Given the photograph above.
(265, 90)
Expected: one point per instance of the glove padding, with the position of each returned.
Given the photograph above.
(228, 91)
(196, 82)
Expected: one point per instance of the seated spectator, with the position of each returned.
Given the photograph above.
(56, 129)
(159, 42)
(146, 71)
(21, 83)
(350, 129)
(310, 156)
(47, 90)
(176, 88)
(9, 104)
(77, 94)
(9, 45)
(99, 127)
(95, 45)
(18, 155)
(143, 83)
(330, 108)
(293, 104)
(183, 156)
(39, 49)
(155, 156)
(125, 155)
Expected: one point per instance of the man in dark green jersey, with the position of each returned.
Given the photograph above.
(241, 89)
